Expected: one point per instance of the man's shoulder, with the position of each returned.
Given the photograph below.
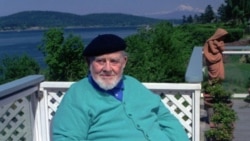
(80, 83)
(131, 78)
(133, 82)
(139, 89)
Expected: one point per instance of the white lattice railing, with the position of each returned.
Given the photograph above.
(13, 120)
(18, 105)
(181, 98)
(27, 106)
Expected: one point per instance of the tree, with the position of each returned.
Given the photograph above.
(190, 19)
(184, 19)
(224, 13)
(15, 67)
(154, 56)
(237, 11)
(63, 56)
(208, 15)
(196, 18)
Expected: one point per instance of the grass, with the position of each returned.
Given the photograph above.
(237, 74)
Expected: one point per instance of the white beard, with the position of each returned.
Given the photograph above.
(104, 85)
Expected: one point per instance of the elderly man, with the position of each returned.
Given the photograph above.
(110, 106)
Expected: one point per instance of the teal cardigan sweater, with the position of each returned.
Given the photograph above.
(86, 114)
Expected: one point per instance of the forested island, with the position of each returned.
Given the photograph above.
(31, 20)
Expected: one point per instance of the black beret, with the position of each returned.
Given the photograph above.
(103, 44)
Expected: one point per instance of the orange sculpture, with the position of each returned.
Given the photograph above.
(212, 50)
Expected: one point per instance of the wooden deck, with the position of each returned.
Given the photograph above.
(242, 129)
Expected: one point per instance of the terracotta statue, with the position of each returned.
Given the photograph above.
(213, 49)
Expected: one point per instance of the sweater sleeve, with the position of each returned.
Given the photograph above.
(70, 122)
(171, 125)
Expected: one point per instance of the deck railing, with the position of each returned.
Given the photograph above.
(19, 109)
(27, 105)
(27, 111)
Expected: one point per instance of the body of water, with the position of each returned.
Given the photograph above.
(26, 42)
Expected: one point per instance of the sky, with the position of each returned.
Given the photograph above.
(83, 7)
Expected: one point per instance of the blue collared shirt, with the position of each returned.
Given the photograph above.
(117, 91)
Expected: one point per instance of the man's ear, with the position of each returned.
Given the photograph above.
(125, 61)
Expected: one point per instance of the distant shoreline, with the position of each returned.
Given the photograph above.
(70, 27)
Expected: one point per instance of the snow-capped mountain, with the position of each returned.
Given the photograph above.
(177, 13)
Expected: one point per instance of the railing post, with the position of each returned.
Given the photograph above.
(45, 123)
(196, 115)
(37, 117)
(194, 75)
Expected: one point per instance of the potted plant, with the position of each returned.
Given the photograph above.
(214, 92)
(221, 116)
(222, 123)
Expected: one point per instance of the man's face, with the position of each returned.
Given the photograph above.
(107, 69)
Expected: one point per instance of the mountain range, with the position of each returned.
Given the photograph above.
(47, 19)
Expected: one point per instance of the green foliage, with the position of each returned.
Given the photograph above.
(215, 88)
(153, 56)
(235, 12)
(63, 56)
(248, 84)
(219, 134)
(235, 34)
(231, 12)
(201, 32)
(223, 117)
(208, 16)
(223, 114)
(238, 81)
(223, 120)
(224, 13)
(219, 93)
(15, 67)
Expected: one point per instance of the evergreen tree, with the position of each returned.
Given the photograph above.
(208, 15)
(190, 19)
(196, 18)
(224, 13)
(184, 19)
(237, 11)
